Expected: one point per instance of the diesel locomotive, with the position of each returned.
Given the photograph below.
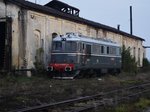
(74, 55)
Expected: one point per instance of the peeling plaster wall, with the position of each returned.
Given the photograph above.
(36, 34)
(12, 11)
(2, 9)
(19, 20)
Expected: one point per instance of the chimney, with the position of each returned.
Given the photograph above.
(118, 27)
(131, 20)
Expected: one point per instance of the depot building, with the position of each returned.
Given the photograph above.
(27, 28)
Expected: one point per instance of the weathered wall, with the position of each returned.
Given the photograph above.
(2, 9)
(32, 30)
(47, 25)
(18, 32)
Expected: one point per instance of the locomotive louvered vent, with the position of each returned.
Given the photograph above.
(63, 7)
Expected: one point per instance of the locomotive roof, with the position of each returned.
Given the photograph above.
(78, 37)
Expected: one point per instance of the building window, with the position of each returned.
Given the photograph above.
(37, 35)
(134, 51)
(54, 35)
(42, 43)
(139, 52)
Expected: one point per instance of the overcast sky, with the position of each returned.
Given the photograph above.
(114, 12)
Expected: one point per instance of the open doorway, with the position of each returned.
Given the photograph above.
(2, 44)
(5, 43)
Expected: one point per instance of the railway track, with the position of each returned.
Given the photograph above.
(91, 102)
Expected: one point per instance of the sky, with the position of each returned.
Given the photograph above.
(114, 12)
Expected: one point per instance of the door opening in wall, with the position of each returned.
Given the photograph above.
(5, 44)
(2, 44)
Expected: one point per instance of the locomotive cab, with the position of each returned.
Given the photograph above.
(63, 56)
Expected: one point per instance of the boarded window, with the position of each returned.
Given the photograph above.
(37, 35)
(54, 35)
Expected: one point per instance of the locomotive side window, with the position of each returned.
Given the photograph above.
(113, 50)
(118, 51)
(88, 49)
(80, 46)
(83, 46)
(108, 50)
(96, 49)
(102, 49)
(57, 46)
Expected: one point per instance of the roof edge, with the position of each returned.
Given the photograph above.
(47, 10)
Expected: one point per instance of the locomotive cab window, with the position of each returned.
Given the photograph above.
(57, 46)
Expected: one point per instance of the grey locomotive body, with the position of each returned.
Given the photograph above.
(73, 54)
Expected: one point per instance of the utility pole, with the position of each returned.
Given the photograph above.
(131, 32)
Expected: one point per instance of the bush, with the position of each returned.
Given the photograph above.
(128, 62)
(146, 65)
(143, 104)
(39, 65)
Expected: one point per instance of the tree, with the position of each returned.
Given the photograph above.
(128, 61)
(146, 63)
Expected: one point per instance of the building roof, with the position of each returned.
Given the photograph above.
(146, 46)
(50, 11)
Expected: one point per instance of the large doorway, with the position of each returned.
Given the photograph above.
(5, 43)
(2, 44)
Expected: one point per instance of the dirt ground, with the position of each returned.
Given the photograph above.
(21, 91)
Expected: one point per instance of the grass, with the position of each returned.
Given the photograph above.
(143, 103)
(40, 88)
(138, 106)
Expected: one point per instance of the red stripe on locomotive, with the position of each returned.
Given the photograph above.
(61, 67)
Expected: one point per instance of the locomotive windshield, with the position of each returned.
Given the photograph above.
(57, 45)
(65, 46)
(71, 46)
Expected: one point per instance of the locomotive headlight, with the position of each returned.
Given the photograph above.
(67, 68)
(50, 68)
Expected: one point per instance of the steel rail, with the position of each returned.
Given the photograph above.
(115, 100)
(45, 106)
(86, 98)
